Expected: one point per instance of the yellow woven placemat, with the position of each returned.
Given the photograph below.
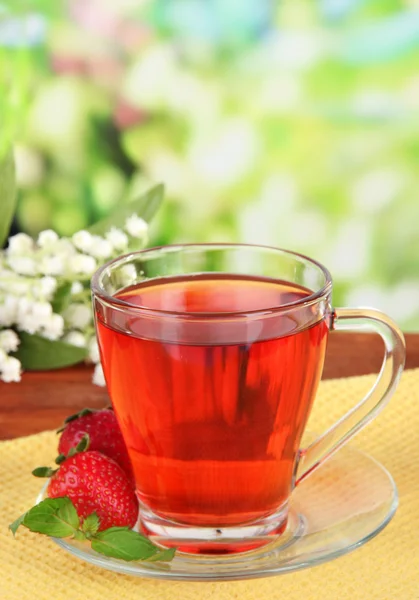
(387, 568)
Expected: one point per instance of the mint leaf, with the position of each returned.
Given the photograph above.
(124, 543)
(91, 524)
(38, 353)
(53, 516)
(163, 556)
(80, 536)
(16, 524)
(145, 206)
(7, 194)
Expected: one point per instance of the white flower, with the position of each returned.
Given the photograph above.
(24, 265)
(82, 264)
(47, 287)
(76, 338)
(28, 323)
(42, 311)
(64, 248)
(32, 316)
(83, 240)
(117, 238)
(94, 350)
(9, 341)
(18, 286)
(76, 288)
(98, 376)
(54, 327)
(100, 248)
(20, 244)
(78, 315)
(8, 310)
(136, 227)
(128, 275)
(52, 265)
(3, 357)
(10, 369)
(23, 306)
(47, 239)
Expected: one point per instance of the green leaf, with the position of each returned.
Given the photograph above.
(80, 536)
(38, 353)
(145, 207)
(7, 195)
(16, 524)
(91, 524)
(163, 556)
(61, 297)
(43, 472)
(53, 516)
(124, 543)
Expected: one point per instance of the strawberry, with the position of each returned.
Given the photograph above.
(96, 484)
(104, 434)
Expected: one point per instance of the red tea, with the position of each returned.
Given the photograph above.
(212, 409)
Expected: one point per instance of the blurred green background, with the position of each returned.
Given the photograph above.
(293, 123)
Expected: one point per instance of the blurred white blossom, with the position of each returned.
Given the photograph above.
(98, 376)
(76, 338)
(9, 310)
(78, 315)
(47, 239)
(94, 350)
(76, 288)
(136, 227)
(10, 369)
(9, 341)
(24, 265)
(53, 329)
(51, 265)
(117, 238)
(83, 240)
(127, 274)
(101, 248)
(44, 288)
(20, 244)
(81, 264)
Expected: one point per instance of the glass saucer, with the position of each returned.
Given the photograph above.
(342, 505)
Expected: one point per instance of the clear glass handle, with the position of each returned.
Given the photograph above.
(362, 320)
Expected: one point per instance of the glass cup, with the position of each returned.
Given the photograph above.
(212, 355)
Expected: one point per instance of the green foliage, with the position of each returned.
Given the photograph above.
(287, 141)
(145, 207)
(37, 353)
(7, 195)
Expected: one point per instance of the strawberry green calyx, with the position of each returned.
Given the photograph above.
(81, 413)
(82, 446)
(44, 472)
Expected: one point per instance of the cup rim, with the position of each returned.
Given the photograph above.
(114, 302)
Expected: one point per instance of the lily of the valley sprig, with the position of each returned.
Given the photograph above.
(46, 318)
